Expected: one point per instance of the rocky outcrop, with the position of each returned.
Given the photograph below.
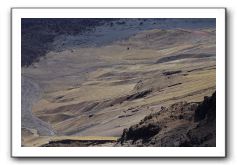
(207, 109)
(181, 125)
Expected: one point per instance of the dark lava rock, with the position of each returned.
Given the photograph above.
(207, 109)
(180, 125)
(141, 132)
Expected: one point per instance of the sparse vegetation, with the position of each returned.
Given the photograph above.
(151, 80)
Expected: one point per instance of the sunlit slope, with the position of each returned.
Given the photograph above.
(99, 91)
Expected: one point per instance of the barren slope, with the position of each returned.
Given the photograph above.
(99, 91)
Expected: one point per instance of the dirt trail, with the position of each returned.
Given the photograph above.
(30, 94)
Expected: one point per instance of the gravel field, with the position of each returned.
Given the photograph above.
(30, 93)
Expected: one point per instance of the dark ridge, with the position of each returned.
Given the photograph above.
(180, 125)
(168, 73)
(183, 56)
(203, 68)
(174, 84)
(76, 143)
(37, 34)
(122, 116)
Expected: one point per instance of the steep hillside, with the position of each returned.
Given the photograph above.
(41, 35)
(180, 125)
(99, 90)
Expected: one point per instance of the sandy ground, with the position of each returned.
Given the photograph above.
(99, 91)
